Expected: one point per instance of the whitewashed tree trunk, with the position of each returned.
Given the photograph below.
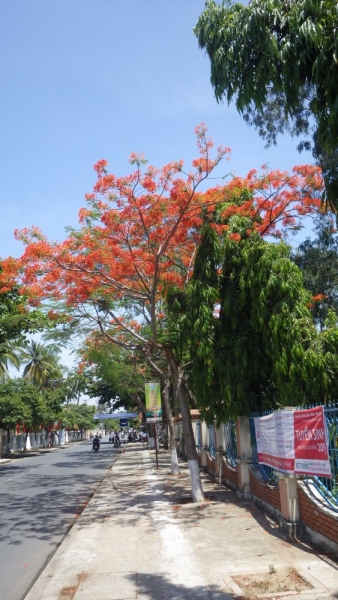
(195, 478)
(190, 447)
(175, 470)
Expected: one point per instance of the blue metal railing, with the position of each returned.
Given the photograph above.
(326, 484)
(211, 441)
(230, 443)
(199, 436)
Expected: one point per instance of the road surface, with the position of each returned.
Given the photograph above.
(40, 497)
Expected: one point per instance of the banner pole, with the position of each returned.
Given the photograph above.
(156, 453)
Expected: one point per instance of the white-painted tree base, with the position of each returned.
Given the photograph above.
(175, 470)
(196, 485)
(151, 443)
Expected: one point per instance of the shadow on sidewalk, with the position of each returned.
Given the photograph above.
(158, 587)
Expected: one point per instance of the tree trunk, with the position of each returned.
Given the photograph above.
(169, 415)
(151, 435)
(190, 447)
(141, 405)
(25, 442)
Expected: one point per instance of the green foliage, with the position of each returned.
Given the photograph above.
(318, 261)
(263, 350)
(15, 403)
(22, 403)
(75, 384)
(78, 417)
(9, 354)
(16, 320)
(42, 364)
(278, 60)
(115, 375)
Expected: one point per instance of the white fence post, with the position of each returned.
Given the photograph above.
(244, 452)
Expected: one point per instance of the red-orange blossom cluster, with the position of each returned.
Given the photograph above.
(139, 233)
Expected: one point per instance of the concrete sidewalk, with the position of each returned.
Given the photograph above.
(140, 538)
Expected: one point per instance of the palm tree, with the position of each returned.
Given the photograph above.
(75, 385)
(43, 363)
(9, 355)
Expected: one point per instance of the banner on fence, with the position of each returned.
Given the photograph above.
(294, 441)
(153, 399)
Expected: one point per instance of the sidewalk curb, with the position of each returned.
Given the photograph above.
(47, 572)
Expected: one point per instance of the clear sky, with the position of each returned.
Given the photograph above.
(83, 80)
(88, 79)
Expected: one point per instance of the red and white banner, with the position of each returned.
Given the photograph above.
(294, 441)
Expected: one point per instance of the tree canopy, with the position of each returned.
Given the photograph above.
(262, 349)
(42, 364)
(138, 236)
(278, 61)
(318, 260)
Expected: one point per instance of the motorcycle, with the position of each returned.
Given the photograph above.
(96, 445)
(117, 442)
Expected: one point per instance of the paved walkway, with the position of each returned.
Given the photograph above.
(139, 539)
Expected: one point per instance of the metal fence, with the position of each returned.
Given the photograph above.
(326, 486)
(230, 443)
(199, 437)
(211, 441)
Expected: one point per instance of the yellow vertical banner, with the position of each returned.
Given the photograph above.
(153, 399)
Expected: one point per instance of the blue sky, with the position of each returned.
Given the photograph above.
(90, 79)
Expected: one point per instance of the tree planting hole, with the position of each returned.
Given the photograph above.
(273, 581)
(188, 499)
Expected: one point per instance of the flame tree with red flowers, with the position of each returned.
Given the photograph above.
(138, 237)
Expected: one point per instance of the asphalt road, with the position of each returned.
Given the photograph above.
(40, 498)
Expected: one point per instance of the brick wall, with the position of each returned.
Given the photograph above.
(211, 465)
(264, 492)
(317, 518)
(229, 473)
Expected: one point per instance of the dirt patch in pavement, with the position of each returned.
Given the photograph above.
(275, 581)
(68, 592)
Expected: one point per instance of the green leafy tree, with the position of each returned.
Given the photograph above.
(16, 320)
(263, 349)
(78, 417)
(278, 61)
(116, 376)
(318, 260)
(14, 409)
